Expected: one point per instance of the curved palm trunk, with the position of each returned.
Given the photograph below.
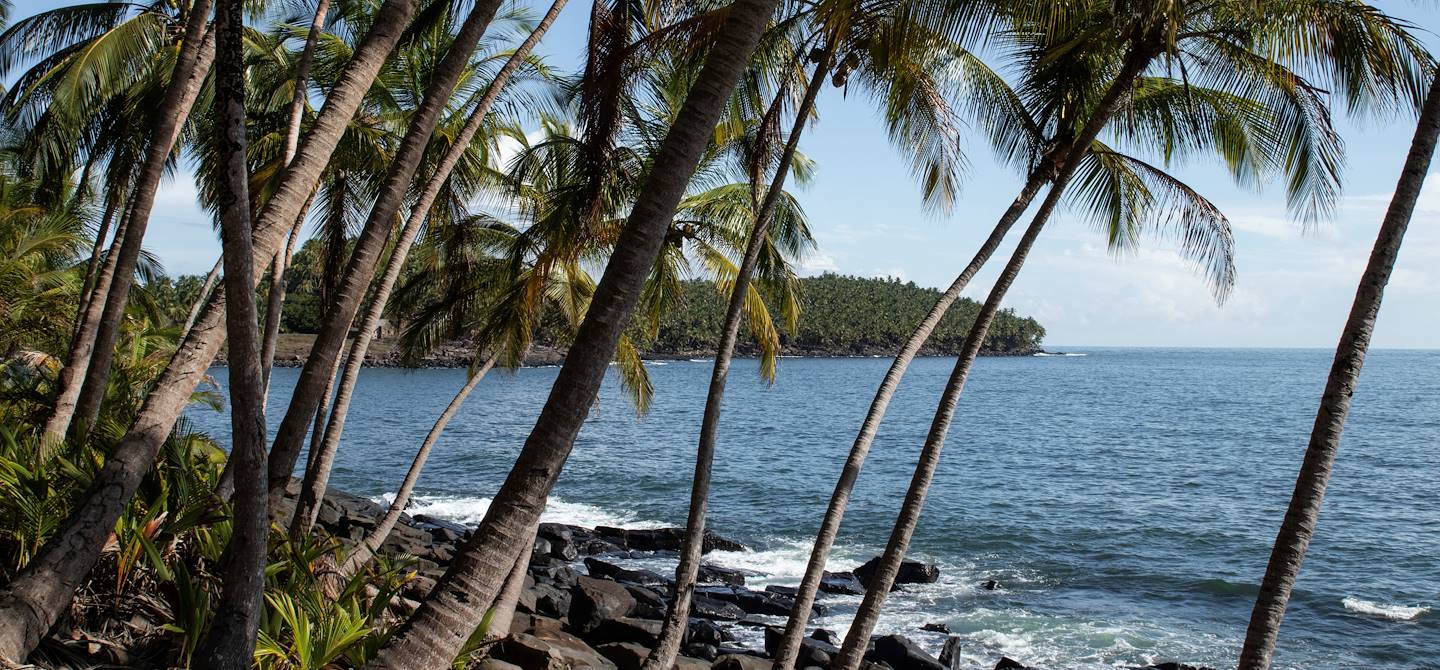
(878, 588)
(858, 637)
(192, 66)
(788, 650)
(32, 601)
(306, 398)
(433, 635)
(302, 81)
(82, 343)
(97, 254)
(503, 611)
(230, 644)
(275, 302)
(1304, 510)
(78, 383)
(677, 615)
(317, 473)
(363, 552)
(201, 299)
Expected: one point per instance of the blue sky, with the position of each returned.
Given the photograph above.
(1294, 287)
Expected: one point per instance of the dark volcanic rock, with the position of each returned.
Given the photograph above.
(592, 601)
(662, 539)
(599, 568)
(1007, 663)
(701, 650)
(826, 636)
(625, 629)
(911, 572)
(704, 631)
(551, 600)
(841, 583)
(783, 590)
(714, 574)
(812, 652)
(740, 661)
(709, 608)
(432, 524)
(900, 653)
(562, 576)
(936, 627)
(549, 650)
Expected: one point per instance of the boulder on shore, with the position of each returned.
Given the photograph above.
(841, 583)
(910, 572)
(594, 601)
(898, 652)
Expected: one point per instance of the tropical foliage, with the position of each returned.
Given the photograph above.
(416, 160)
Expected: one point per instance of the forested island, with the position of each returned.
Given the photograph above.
(838, 316)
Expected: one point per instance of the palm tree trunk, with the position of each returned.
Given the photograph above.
(879, 585)
(32, 601)
(275, 301)
(677, 615)
(97, 253)
(1304, 510)
(503, 611)
(363, 552)
(305, 400)
(82, 343)
(787, 651)
(433, 635)
(80, 389)
(317, 475)
(211, 278)
(192, 66)
(857, 639)
(230, 644)
(302, 79)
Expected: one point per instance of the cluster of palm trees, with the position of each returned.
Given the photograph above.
(459, 184)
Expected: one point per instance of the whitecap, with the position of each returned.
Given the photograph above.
(702, 360)
(469, 510)
(1392, 612)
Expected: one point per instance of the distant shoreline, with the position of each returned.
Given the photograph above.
(293, 348)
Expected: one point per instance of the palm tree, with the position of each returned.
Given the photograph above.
(275, 301)
(1304, 510)
(230, 643)
(308, 393)
(1151, 33)
(438, 629)
(36, 597)
(317, 471)
(677, 615)
(96, 338)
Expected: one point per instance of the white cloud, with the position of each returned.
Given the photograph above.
(818, 263)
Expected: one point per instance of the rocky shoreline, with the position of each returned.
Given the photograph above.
(580, 609)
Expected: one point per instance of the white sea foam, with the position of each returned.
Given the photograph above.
(1392, 612)
(469, 511)
(702, 360)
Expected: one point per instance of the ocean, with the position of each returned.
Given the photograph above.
(1124, 499)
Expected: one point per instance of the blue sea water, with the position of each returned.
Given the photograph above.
(1125, 499)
